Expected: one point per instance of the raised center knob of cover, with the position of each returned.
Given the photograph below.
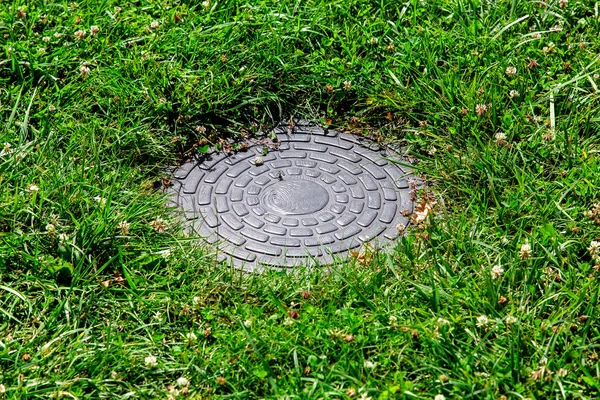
(295, 197)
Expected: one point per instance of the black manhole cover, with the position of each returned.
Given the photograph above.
(316, 196)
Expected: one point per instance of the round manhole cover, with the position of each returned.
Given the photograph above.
(314, 196)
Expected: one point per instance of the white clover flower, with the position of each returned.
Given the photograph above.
(594, 249)
(46, 39)
(510, 320)
(94, 29)
(513, 93)
(63, 237)
(480, 109)
(511, 71)
(500, 138)
(442, 321)
(206, 4)
(182, 381)
(80, 34)
(151, 361)
(2, 388)
(248, 323)
(158, 225)
(439, 397)
(497, 271)
(369, 364)
(483, 321)
(85, 71)
(33, 188)
(347, 85)
(50, 229)
(191, 336)
(374, 40)
(525, 251)
(124, 227)
(154, 25)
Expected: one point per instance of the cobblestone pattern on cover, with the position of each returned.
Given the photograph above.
(317, 196)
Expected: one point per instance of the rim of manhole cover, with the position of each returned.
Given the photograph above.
(307, 198)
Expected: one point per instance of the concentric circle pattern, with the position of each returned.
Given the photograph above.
(314, 197)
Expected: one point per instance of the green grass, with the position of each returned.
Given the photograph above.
(90, 290)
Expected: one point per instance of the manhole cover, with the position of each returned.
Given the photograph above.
(314, 196)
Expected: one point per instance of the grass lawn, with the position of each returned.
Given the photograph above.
(494, 295)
